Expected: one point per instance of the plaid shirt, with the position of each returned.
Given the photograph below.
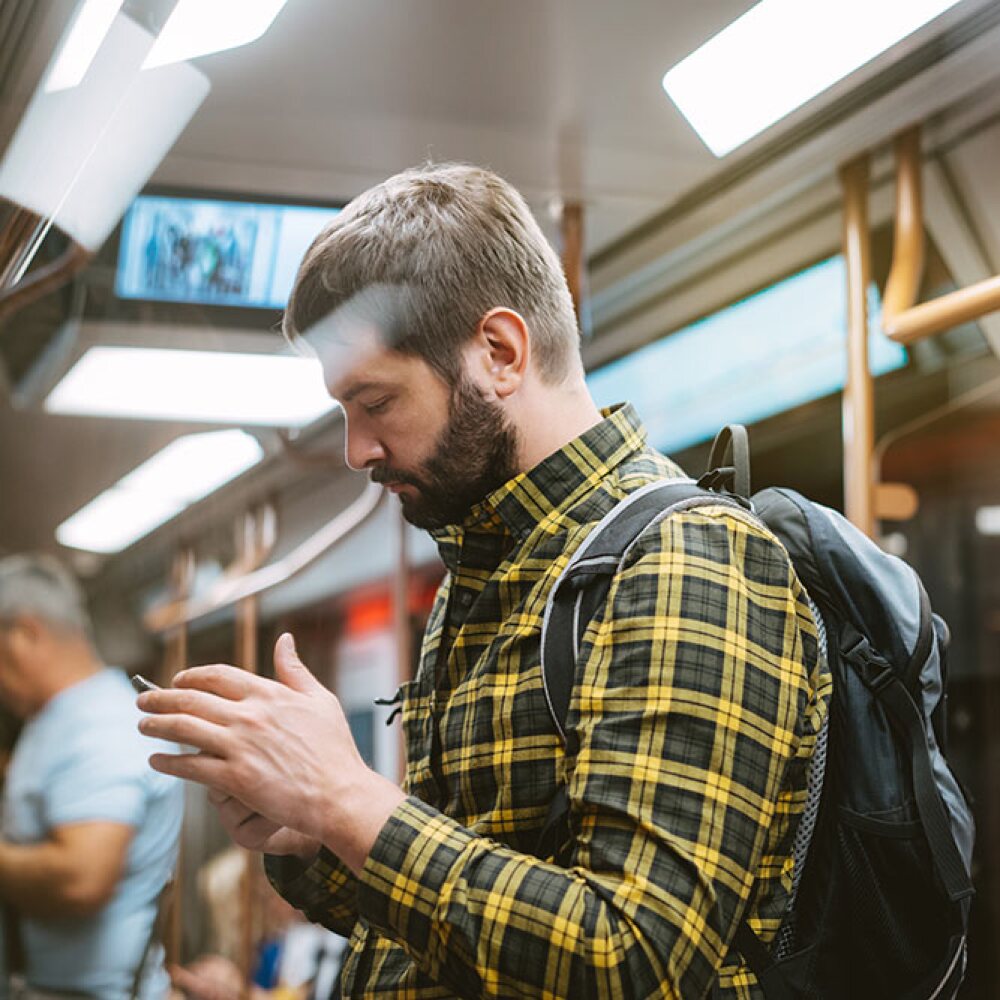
(694, 714)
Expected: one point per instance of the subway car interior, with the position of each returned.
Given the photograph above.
(822, 267)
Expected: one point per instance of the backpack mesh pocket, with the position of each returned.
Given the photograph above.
(899, 915)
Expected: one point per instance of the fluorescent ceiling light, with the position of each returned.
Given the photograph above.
(196, 28)
(780, 54)
(91, 24)
(988, 520)
(209, 386)
(182, 473)
(112, 131)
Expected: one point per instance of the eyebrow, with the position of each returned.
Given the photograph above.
(360, 387)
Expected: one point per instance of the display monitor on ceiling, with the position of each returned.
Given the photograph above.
(214, 251)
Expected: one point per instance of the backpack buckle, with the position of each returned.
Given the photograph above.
(877, 676)
(875, 672)
(860, 651)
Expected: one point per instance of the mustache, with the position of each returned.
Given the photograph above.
(386, 476)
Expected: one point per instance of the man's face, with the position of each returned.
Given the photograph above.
(16, 689)
(441, 449)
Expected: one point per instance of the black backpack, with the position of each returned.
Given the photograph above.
(881, 888)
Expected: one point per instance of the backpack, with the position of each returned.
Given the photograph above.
(881, 890)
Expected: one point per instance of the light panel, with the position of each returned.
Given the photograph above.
(196, 28)
(988, 520)
(780, 54)
(90, 26)
(187, 470)
(205, 386)
(114, 129)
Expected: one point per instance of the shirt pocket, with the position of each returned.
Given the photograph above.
(416, 703)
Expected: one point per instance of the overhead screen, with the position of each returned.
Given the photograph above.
(213, 251)
(770, 352)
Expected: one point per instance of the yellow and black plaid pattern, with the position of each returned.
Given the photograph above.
(698, 699)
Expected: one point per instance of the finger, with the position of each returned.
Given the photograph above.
(255, 830)
(187, 701)
(218, 798)
(199, 767)
(289, 669)
(218, 678)
(188, 730)
(234, 813)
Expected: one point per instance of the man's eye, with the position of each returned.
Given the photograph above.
(377, 407)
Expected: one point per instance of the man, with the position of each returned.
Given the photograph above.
(446, 330)
(89, 833)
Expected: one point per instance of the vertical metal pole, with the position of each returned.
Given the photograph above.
(401, 617)
(903, 284)
(175, 659)
(858, 406)
(176, 645)
(246, 656)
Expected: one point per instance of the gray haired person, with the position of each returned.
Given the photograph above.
(88, 836)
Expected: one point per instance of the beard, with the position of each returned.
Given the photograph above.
(475, 454)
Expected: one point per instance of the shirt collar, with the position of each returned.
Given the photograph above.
(556, 482)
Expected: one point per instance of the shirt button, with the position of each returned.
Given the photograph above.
(465, 598)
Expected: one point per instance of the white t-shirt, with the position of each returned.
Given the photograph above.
(82, 758)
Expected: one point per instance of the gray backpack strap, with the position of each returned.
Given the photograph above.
(583, 585)
(577, 595)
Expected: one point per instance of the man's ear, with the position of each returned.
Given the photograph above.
(24, 634)
(501, 351)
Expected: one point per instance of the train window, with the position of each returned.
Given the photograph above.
(763, 355)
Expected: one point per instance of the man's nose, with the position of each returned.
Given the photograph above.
(362, 450)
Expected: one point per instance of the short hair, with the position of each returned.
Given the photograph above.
(448, 242)
(40, 585)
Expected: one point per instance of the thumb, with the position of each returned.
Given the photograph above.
(289, 669)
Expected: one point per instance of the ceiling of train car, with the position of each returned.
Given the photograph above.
(561, 96)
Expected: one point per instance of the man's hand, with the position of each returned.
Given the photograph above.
(281, 749)
(258, 833)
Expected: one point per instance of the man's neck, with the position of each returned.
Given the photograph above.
(76, 664)
(554, 420)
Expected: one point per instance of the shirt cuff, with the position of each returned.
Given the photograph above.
(404, 878)
(324, 890)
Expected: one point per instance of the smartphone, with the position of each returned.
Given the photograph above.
(141, 684)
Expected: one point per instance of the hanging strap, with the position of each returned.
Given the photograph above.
(733, 441)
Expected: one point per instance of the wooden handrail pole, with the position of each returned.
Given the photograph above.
(903, 284)
(250, 551)
(858, 404)
(241, 581)
(175, 659)
(953, 309)
(902, 319)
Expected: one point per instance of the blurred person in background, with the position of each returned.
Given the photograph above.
(89, 834)
(292, 960)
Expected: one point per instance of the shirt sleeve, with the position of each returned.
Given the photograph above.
(101, 777)
(686, 713)
(325, 890)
